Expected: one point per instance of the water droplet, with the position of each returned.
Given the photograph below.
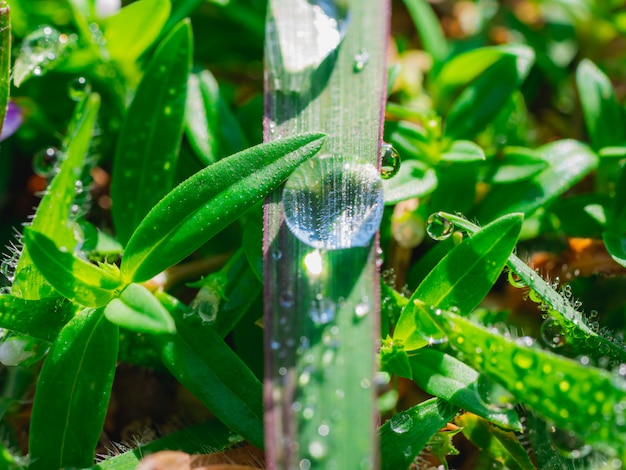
(366, 383)
(317, 449)
(389, 161)
(39, 49)
(313, 263)
(493, 395)
(438, 227)
(553, 334)
(401, 423)
(308, 412)
(301, 34)
(78, 88)
(523, 359)
(332, 203)
(305, 464)
(515, 280)
(408, 452)
(46, 162)
(277, 254)
(323, 430)
(78, 187)
(286, 300)
(362, 308)
(361, 59)
(568, 444)
(322, 310)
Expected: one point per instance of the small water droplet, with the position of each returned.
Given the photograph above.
(333, 203)
(408, 451)
(286, 300)
(323, 430)
(389, 161)
(277, 254)
(401, 423)
(362, 308)
(39, 49)
(553, 334)
(523, 359)
(366, 383)
(78, 88)
(361, 59)
(568, 444)
(439, 227)
(46, 162)
(305, 464)
(322, 310)
(317, 450)
(493, 395)
(308, 412)
(515, 280)
(78, 187)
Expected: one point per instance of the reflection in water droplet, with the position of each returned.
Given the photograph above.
(78, 88)
(401, 423)
(333, 203)
(493, 395)
(361, 59)
(46, 162)
(553, 334)
(301, 34)
(438, 227)
(568, 444)
(389, 161)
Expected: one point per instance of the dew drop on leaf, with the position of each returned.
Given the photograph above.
(46, 162)
(553, 334)
(305, 464)
(78, 88)
(317, 450)
(389, 161)
(361, 59)
(439, 227)
(568, 444)
(333, 203)
(322, 310)
(493, 395)
(401, 423)
(40, 49)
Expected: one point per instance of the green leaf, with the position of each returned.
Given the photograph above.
(53, 217)
(204, 204)
(517, 164)
(138, 310)
(5, 59)
(72, 277)
(502, 445)
(443, 376)
(428, 28)
(147, 149)
(73, 392)
(463, 151)
(404, 436)
(210, 127)
(603, 115)
(208, 368)
(461, 280)
(616, 246)
(568, 162)
(415, 179)
(577, 397)
(42, 319)
(133, 29)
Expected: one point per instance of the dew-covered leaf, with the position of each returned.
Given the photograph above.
(404, 436)
(138, 310)
(73, 393)
(204, 204)
(461, 280)
(42, 318)
(147, 150)
(414, 179)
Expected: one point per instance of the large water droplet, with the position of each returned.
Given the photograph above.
(401, 423)
(78, 88)
(301, 35)
(333, 203)
(439, 227)
(46, 162)
(389, 161)
(553, 334)
(493, 395)
(568, 444)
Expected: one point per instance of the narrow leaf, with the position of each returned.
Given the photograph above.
(428, 28)
(138, 310)
(207, 202)
(147, 149)
(461, 280)
(73, 392)
(42, 319)
(5, 59)
(72, 277)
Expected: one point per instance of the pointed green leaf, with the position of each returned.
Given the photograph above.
(138, 310)
(429, 29)
(461, 280)
(446, 377)
(603, 115)
(133, 29)
(147, 149)
(463, 151)
(518, 164)
(72, 277)
(42, 319)
(5, 59)
(73, 393)
(204, 204)
(616, 246)
(406, 434)
(53, 217)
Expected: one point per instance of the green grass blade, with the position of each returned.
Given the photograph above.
(428, 28)
(461, 280)
(207, 202)
(147, 149)
(42, 319)
(73, 392)
(404, 436)
(5, 59)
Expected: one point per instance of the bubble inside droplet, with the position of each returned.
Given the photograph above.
(568, 444)
(333, 203)
(389, 161)
(553, 334)
(46, 162)
(361, 59)
(439, 227)
(401, 423)
(493, 395)
(78, 88)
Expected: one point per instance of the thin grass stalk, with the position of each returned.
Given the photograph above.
(322, 305)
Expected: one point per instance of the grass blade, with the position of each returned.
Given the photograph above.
(5, 59)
